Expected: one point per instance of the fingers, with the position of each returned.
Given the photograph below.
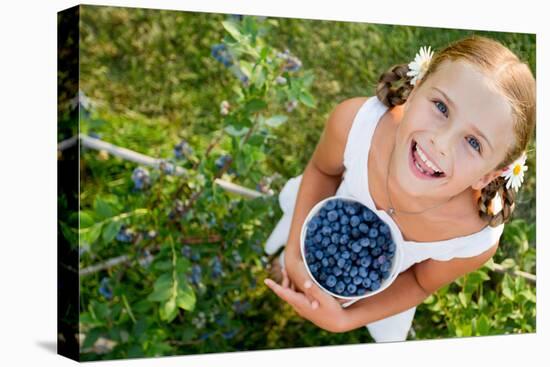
(313, 291)
(295, 299)
(286, 281)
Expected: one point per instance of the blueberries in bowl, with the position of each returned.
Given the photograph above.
(348, 249)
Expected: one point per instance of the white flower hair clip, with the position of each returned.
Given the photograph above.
(420, 65)
(514, 172)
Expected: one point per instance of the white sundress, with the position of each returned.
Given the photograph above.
(355, 184)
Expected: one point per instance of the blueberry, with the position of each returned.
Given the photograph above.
(368, 215)
(356, 247)
(339, 203)
(324, 262)
(353, 272)
(381, 259)
(355, 233)
(310, 257)
(363, 272)
(326, 241)
(384, 229)
(373, 233)
(331, 249)
(335, 226)
(331, 261)
(365, 242)
(385, 275)
(375, 285)
(380, 241)
(326, 222)
(363, 227)
(346, 255)
(357, 280)
(364, 253)
(104, 288)
(350, 209)
(340, 286)
(351, 288)
(312, 225)
(318, 254)
(322, 277)
(347, 279)
(336, 271)
(375, 265)
(354, 221)
(346, 229)
(366, 261)
(331, 281)
(385, 267)
(332, 215)
(373, 275)
(353, 256)
(335, 238)
(318, 238)
(376, 251)
(322, 213)
(341, 263)
(360, 291)
(366, 282)
(391, 247)
(331, 204)
(344, 220)
(344, 239)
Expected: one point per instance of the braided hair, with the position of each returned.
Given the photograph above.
(511, 76)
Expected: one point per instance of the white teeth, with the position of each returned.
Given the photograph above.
(425, 159)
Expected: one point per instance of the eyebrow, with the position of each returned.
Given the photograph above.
(473, 127)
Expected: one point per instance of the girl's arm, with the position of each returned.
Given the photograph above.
(411, 288)
(321, 178)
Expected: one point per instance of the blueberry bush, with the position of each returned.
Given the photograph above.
(232, 97)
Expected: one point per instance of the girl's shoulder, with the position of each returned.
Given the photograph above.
(329, 153)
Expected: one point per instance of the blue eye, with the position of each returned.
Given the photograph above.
(441, 107)
(476, 144)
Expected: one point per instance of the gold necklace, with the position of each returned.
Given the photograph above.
(391, 210)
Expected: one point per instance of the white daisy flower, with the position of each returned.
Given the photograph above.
(514, 172)
(419, 66)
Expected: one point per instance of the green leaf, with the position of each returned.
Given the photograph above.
(86, 219)
(160, 295)
(259, 77)
(507, 285)
(308, 78)
(168, 311)
(277, 120)
(482, 325)
(231, 130)
(91, 234)
(255, 105)
(110, 231)
(307, 99)
(232, 29)
(508, 263)
(186, 296)
(91, 338)
(103, 209)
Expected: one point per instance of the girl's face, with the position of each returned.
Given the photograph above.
(457, 122)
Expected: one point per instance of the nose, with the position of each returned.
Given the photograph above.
(441, 141)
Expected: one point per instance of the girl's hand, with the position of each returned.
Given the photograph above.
(324, 311)
(297, 274)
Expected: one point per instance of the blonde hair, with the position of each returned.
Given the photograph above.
(510, 76)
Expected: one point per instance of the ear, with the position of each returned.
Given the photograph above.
(486, 179)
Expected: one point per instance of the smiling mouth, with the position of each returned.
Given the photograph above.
(421, 167)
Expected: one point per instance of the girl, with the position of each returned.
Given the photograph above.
(448, 140)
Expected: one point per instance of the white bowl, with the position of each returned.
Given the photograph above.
(396, 261)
